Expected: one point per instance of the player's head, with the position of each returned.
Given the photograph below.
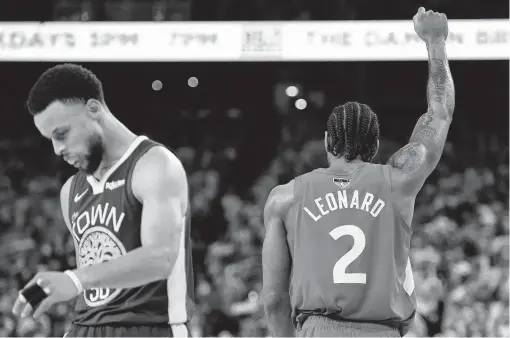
(67, 103)
(352, 132)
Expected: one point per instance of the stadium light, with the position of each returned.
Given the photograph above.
(192, 82)
(301, 104)
(292, 91)
(157, 85)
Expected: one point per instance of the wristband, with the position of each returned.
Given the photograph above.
(75, 280)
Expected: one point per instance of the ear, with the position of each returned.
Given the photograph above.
(326, 140)
(93, 108)
(376, 151)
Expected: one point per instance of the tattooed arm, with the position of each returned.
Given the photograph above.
(411, 165)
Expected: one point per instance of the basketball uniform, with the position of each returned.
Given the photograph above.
(105, 222)
(351, 272)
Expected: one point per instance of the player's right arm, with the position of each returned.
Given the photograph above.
(412, 164)
(277, 262)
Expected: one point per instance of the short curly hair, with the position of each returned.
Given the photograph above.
(353, 130)
(65, 82)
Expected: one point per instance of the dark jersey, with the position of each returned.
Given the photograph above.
(349, 247)
(106, 222)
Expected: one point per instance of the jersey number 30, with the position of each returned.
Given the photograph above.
(339, 274)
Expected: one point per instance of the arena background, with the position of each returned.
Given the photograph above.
(249, 114)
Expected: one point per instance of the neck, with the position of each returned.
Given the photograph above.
(341, 161)
(117, 139)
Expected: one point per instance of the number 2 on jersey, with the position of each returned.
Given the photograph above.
(339, 274)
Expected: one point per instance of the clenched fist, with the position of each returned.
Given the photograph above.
(430, 26)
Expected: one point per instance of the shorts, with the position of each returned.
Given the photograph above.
(320, 326)
(177, 330)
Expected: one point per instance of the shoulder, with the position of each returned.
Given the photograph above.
(158, 168)
(406, 168)
(66, 190)
(409, 158)
(158, 156)
(280, 199)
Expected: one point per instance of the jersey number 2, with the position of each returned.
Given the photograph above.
(339, 274)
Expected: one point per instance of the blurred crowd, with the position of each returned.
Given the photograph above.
(459, 247)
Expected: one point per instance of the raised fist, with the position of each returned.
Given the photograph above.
(430, 26)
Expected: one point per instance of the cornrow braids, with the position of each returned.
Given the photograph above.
(353, 130)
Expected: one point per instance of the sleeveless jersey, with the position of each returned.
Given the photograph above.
(105, 222)
(350, 248)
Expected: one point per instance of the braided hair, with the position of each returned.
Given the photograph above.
(353, 130)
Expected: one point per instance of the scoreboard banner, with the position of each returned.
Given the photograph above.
(245, 41)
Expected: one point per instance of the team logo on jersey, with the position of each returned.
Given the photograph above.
(98, 245)
(115, 184)
(342, 182)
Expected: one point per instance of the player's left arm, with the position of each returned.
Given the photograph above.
(276, 263)
(159, 183)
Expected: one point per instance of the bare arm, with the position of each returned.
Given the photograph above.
(159, 183)
(414, 162)
(276, 263)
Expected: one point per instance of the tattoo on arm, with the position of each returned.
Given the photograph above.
(409, 158)
(425, 131)
(429, 135)
(430, 129)
(440, 88)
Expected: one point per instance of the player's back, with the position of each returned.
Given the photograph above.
(349, 247)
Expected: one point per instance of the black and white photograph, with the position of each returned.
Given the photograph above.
(256, 168)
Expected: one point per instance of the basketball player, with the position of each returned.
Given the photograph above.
(127, 211)
(336, 252)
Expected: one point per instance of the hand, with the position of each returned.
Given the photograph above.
(430, 26)
(58, 286)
